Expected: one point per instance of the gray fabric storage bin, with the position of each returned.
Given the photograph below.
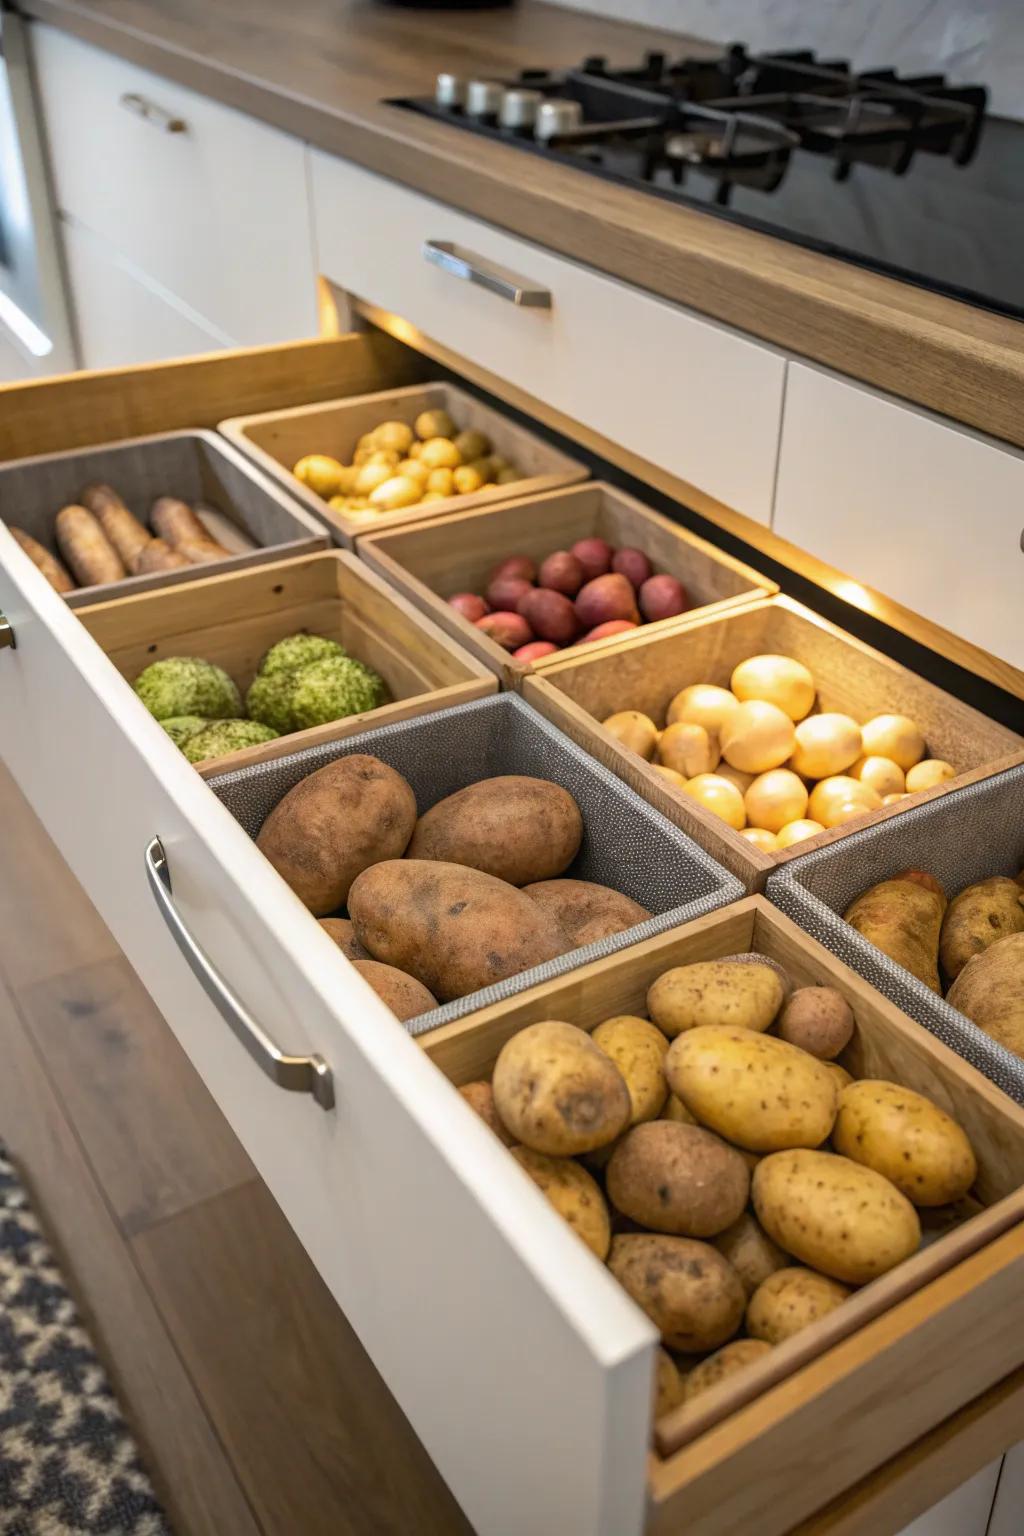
(195, 466)
(626, 843)
(960, 838)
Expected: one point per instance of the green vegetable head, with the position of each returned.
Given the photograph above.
(269, 700)
(334, 688)
(222, 736)
(185, 685)
(298, 651)
(180, 727)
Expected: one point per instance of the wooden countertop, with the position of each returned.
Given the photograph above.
(319, 68)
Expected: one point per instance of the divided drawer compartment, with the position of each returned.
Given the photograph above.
(276, 440)
(644, 673)
(455, 554)
(232, 621)
(960, 838)
(197, 467)
(843, 1381)
(626, 844)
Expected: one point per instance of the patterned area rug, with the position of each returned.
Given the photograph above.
(68, 1463)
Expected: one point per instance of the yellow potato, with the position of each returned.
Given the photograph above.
(688, 749)
(668, 1384)
(472, 444)
(757, 736)
(432, 496)
(750, 1251)
(467, 479)
(767, 842)
(927, 774)
(670, 775)
(908, 1139)
(412, 469)
(825, 744)
(635, 731)
(718, 795)
(738, 1356)
(321, 473)
(370, 477)
(736, 776)
(638, 1048)
(775, 799)
(702, 704)
(790, 1300)
(895, 737)
(840, 1074)
(441, 481)
(431, 424)
(834, 1215)
(892, 799)
(396, 435)
(835, 799)
(573, 1193)
(753, 1089)
(558, 1092)
(719, 992)
(797, 831)
(391, 495)
(881, 774)
(386, 456)
(440, 453)
(778, 680)
(690, 1293)
(676, 1110)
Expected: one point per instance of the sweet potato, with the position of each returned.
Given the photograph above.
(977, 918)
(158, 555)
(903, 918)
(514, 827)
(86, 548)
(41, 558)
(990, 991)
(124, 530)
(176, 522)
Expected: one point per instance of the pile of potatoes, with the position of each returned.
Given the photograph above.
(756, 755)
(432, 907)
(970, 948)
(735, 1178)
(397, 466)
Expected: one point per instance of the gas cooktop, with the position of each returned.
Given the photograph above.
(903, 174)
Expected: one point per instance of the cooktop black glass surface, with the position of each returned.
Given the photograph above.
(906, 175)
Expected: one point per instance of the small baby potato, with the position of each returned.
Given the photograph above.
(370, 477)
(757, 736)
(480, 1097)
(467, 479)
(833, 799)
(702, 704)
(797, 831)
(758, 1092)
(635, 731)
(906, 1138)
(441, 481)
(396, 435)
(670, 775)
(750, 1251)
(677, 1179)
(775, 799)
(558, 1092)
(484, 467)
(412, 469)
(321, 473)
(720, 796)
(730, 1361)
(690, 1293)
(391, 495)
(431, 424)
(819, 1020)
(638, 1049)
(895, 737)
(668, 1384)
(386, 456)
(777, 680)
(825, 745)
(720, 992)
(790, 1300)
(507, 476)
(735, 776)
(439, 453)
(472, 444)
(573, 1193)
(882, 775)
(432, 496)
(892, 799)
(927, 774)
(415, 448)
(688, 749)
(676, 1111)
(767, 842)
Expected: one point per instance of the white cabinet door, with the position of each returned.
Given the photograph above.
(926, 512)
(216, 211)
(687, 394)
(1008, 1509)
(963, 1513)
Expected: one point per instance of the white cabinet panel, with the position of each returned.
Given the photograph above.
(1008, 1509)
(926, 512)
(964, 1512)
(691, 396)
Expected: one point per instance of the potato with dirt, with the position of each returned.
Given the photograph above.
(750, 1251)
(990, 991)
(405, 996)
(903, 918)
(691, 1294)
(515, 827)
(558, 1092)
(586, 911)
(677, 1179)
(978, 918)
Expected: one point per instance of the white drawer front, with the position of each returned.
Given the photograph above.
(688, 395)
(218, 213)
(523, 1367)
(926, 512)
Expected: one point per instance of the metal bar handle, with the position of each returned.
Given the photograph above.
(151, 113)
(7, 635)
(517, 290)
(299, 1074)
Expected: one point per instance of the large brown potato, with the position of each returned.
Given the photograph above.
(677, 1179)
(990, 991)
(574, 1194)
(335, 823)
(690, 1293)
(342, 932)
(584, 910)
(516, 828)
(453, 928)
(405, 996)
(903, 917)
(977, 918)
(557, 1092)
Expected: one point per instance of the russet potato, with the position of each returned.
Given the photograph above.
(405, 996)
(688, 1290)
(678, 1179)
(584, 910)
(514, 827)
(990, 991)
(480, 1097)
(903, 918)
(977, 918)
(750, 1251)
(819, 1020)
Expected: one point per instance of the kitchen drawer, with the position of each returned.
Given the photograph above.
(694, 398)
(217, 212)
(925, 511)
(1009, 1500)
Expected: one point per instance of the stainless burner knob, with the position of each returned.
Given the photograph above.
(448, 91)
(519, 109)
(484, 98)
(557, 116)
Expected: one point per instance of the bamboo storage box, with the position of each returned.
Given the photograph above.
(455, 554)
(645, 673)
(197, 467)
(233, 620)
(901, 1354)
(276, 440)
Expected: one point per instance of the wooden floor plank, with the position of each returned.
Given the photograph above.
(181, 1449)
(152, 1133)
(320, 1445)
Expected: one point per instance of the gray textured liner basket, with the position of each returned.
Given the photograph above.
(968, 835)
(195, 466)
(626, 843)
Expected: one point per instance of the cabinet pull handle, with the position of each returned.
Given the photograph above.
(7, 635)
(498, 280)
(151, 113)
(299, 1074)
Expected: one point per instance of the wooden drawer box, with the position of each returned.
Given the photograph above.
(901, 1353)
(278, 439)
(454, 554)
(852, 678)
(233, 620)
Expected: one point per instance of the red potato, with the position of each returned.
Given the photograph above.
(562, 572)
(504, 592)
(470, 605)
(514, 565)
(534, 650)
(595, 556)
(607, 597)
(613, 627)
(662, 597)
(550, 615)
(634, 565)
(508, 629)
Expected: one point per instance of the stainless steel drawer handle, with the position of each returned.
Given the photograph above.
(151, 113)
(7, 635)
(299, 1074)
(517, 290)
